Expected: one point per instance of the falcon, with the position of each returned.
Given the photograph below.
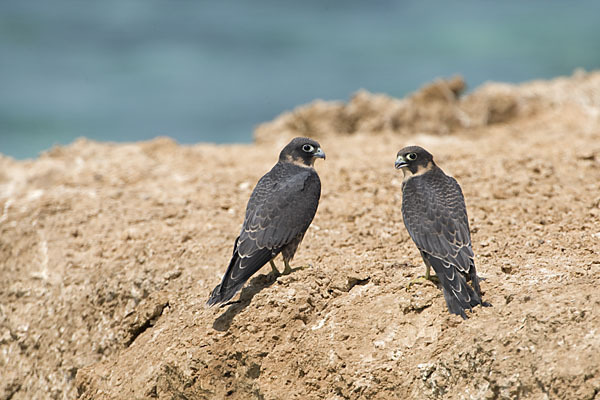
(435, 216)
(279, 212)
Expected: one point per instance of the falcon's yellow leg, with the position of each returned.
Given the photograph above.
(288, 270)
(275, 270)
(423, 279)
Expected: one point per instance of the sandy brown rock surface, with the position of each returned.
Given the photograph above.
(108, 254)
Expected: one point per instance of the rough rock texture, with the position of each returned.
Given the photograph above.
(108, 254)
(437, 109)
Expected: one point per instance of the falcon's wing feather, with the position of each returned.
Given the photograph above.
(238, 272)
(282, 212)
(459, 296)
(435, 216)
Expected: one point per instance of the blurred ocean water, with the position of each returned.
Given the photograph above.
(126, 70)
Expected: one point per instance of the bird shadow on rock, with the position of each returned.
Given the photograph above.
(223, 321)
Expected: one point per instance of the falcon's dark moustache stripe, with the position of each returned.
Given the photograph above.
(420, 171)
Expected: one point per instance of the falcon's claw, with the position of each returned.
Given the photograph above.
(423, 279)
(288, 270)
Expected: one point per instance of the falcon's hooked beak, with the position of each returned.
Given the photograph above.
(319, 153)
(400, 162)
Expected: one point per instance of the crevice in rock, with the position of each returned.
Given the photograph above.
(148, 322)
(353, 281)
(12, 390)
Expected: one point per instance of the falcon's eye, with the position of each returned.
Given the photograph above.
(411, 156)
(308, 148)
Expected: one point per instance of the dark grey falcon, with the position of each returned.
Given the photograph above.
(280, 210)
(434, 213)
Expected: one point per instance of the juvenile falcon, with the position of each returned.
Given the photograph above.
(279, 212)
(435, 216)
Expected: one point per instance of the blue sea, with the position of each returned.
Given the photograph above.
(210, 71)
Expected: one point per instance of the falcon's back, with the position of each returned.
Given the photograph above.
(284, 201)
(436, 199)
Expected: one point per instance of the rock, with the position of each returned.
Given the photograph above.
(108, 254)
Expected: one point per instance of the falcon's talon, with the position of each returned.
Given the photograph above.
(288, 270)
(424, 279)
(418, 280)
(433, 278)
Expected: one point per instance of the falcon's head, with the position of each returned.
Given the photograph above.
(414, 160)
(302, 151)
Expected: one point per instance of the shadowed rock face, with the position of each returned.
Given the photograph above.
(109, 252)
